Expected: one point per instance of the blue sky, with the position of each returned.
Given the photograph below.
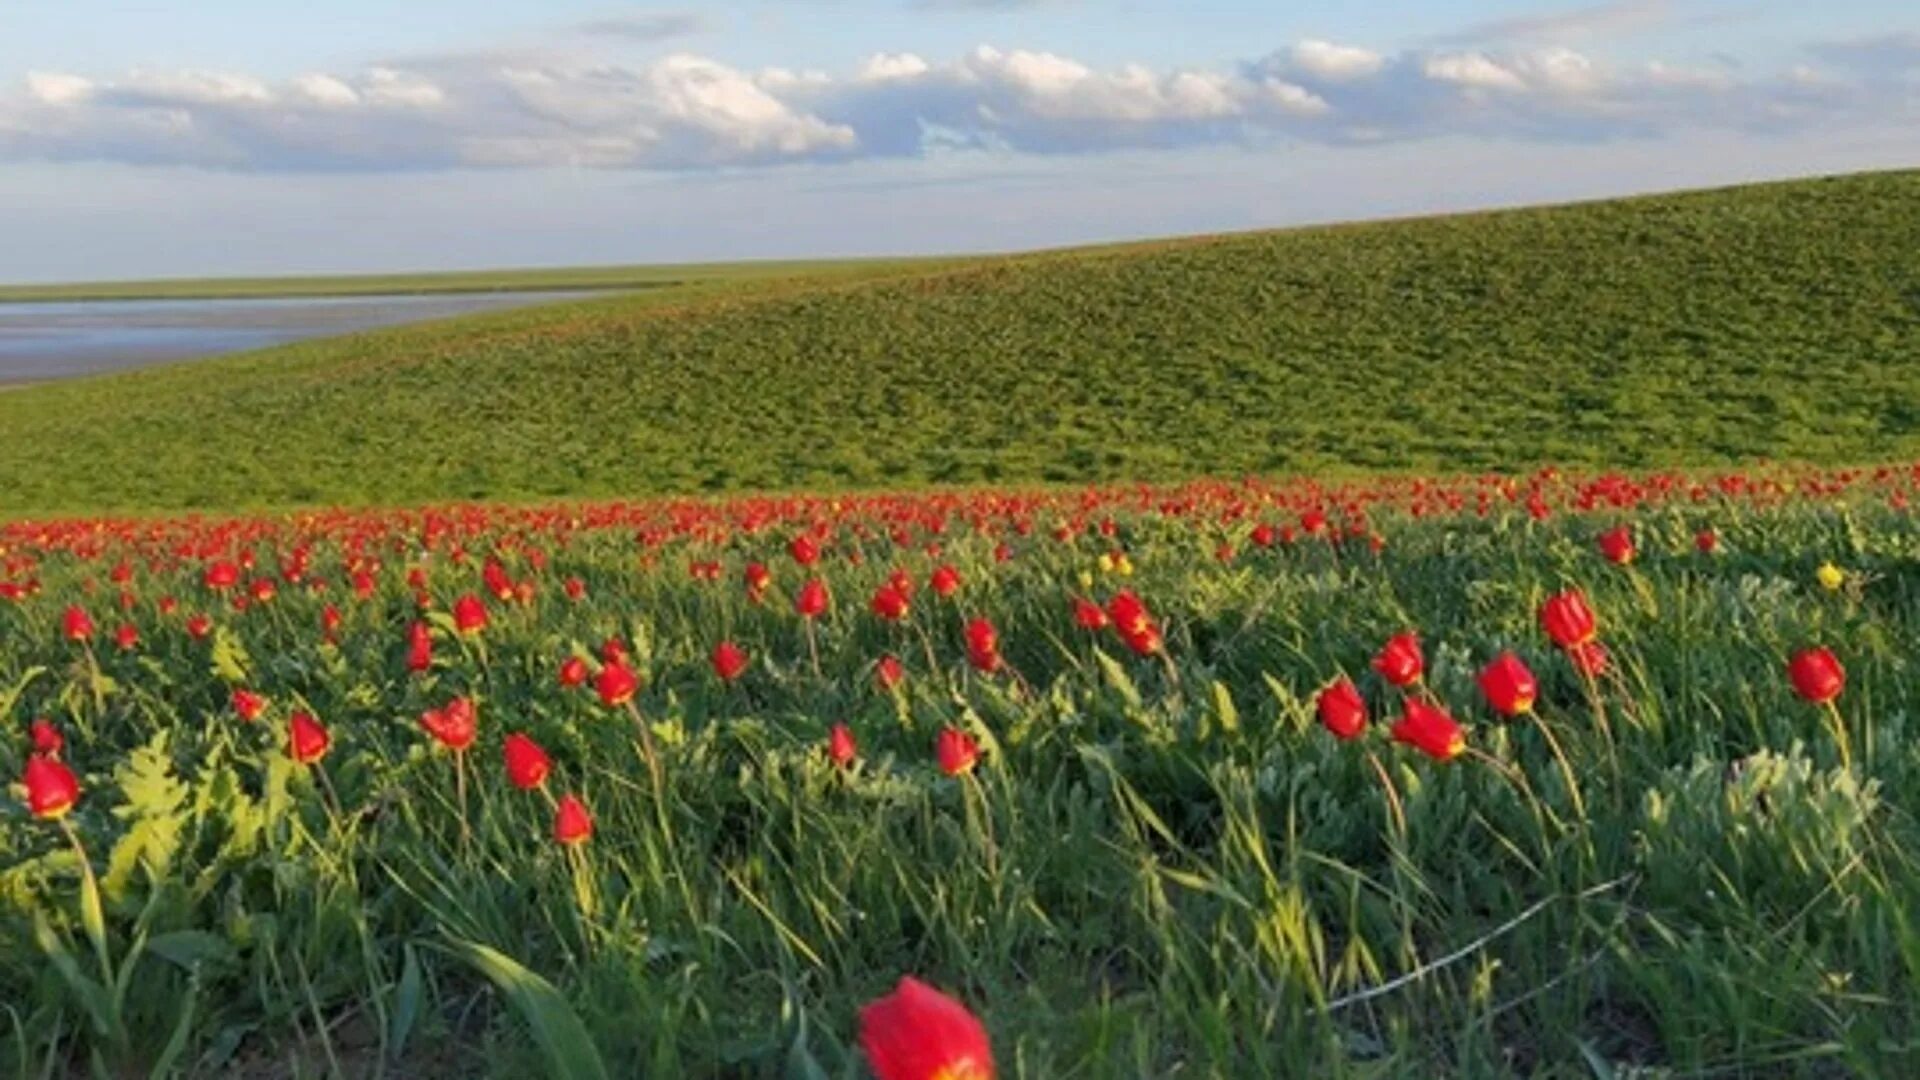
(144, 139)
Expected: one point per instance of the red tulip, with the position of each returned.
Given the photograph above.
(1428, 729)
(307, 740)
(494, 575)
(729, 661)
(419, 647)
(957, 751)
(1399, 661)
(841, 749)
(890, 603)
(573, 671)
(1817, 675)
(248, 705)
(52, 788)
(363, 585)
(918, 1033)
(889, 672)
(1567, 619)
(1707, 541)
(221, 576)
(329, 621)
(1129, 614)
(983, 645)
(127, 636)
(1589, 658)
(76, 624)
(469, 614)
(616, 685)
(613, 651)
(1509, 686)
(47, 740)
(263, 590)
(1342, 710)
(455, 727)
(757, 579)
(1089, 615)
(199, 626)
(1617, 545)
(804, 550)
(945, 580)
(811, 602)
(571, 822)
(527, 764)
(576, 589)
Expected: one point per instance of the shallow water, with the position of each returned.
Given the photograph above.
(41, 341)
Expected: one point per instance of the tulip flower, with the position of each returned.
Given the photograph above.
(1508, 685)
(1706, 541)
(1567, 619)
(983, 646)
(616, 684)
(527, 764)
(126, 637)
(1399, 661)
(307, 740)
(572, 824)
(890, 603)
(47, 740)
(1589, 658)
(1616, 544)
(419, 647)
(573, 671)
(1816, 675)
(729, 661)
(811, 602)
(1341, 709)
(220, 576)
(841, 749)
(956, 750)
(248, 705)
(52, 789)
(575, 589)
(199, 626)
(76, 624)
(1830, 577)
(1089, 615)
(1428, 729)
(469, 614)
(918, 1033)
(455, 726)
(889, 672)
(945, 580)
(804, 550)
(757, 578)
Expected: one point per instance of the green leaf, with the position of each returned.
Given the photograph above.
(190, 949)
(1118, 678)
(93, 996)
(1223, 705)
(229, 656)
(406, 1003)
(569, 1050)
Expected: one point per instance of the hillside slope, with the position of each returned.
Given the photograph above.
(1778, 320)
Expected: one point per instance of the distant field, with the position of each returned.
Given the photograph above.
(1774, 321)
(565, 279)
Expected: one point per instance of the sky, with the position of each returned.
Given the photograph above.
(223, 137)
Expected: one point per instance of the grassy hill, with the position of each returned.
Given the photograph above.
(1778, 320)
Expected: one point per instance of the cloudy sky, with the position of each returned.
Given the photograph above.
(242, 136)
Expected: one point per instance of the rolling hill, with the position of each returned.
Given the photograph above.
(1771, 321)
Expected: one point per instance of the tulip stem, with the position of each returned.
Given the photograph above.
(813, 648)
(1396, 813)
(460, 788)
(1840, 735)
(1566, 767)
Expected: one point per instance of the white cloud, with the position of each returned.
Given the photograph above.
(54, 88)
(325, 90)
(1334, 63)
(883, 66)
(1473, 70)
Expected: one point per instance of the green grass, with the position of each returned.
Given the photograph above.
(1161, 868)
(1776, 321)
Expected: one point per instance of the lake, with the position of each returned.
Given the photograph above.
(40, 341)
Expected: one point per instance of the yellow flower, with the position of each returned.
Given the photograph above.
(1124, 565)
(1106, 564)
(1830, 576)
(1086, 579)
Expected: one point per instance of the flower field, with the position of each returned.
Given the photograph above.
(1568, 775)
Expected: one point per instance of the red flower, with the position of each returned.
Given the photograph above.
(363, 584)
(616, 685)
(1342, 710)
(804, 550)
(573, 671)
(221, 575)
(469, 614)
(455, 726)
(811, 603)
(263, 590)
(47, 740)
(757, 579)
(918, 1033)
(889, 672)
(52, 788)
(983, 645)
(76, 624)
(1707, 541)
(945, 580)
(1567, 619)
(1817, 675)
(1617, 545)
(1589, 658)
(957, 751)
(729, 661)
(613, 651)
(329, 621)
(307, 740)
(127, 636)
(571, 822)
(248, 705)
(199, 626)
(1428, 729)
(419, 647)
(1508, 685)
(527, 764)
(1088, 614)
(1399, 661)
(1262, 535)
(576, 589)
(1134, 623)
(841, 749)
(890, 603)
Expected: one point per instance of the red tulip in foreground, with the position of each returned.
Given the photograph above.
(1428, 729)
(571, 822)
(804, 550)
(890, 603)
(1342, 710)
(957, 751)
(527, 764)
(729, 661)
(616, 684)
(1567, 619)
(248, 705)
(1399, 661)
(811, 602)
(841, 749)
(307, 740)
(455, 726)
(1817, 675)
(51, 787)
(1509, 686)
(469, 614)
(1616, 544)
(919, 1033)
